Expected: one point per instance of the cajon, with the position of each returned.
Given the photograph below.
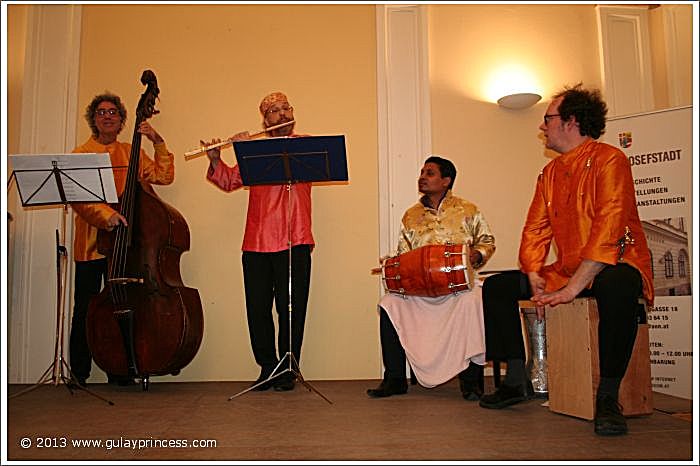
(573, 365)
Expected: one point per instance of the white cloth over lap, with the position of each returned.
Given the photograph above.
(440, 335)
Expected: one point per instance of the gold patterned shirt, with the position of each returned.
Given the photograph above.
(455, 221)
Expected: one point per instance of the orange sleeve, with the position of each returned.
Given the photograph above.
(160, 169)
(614, 200)
(537, 234)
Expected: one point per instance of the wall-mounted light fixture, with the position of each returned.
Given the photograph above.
(519, 101)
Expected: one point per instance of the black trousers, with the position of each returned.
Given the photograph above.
(393, 354)
(616, 290)
(266, 277)
(89, 277)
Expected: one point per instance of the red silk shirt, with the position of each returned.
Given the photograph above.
(585, 201)
(266, 228)
(91, 216)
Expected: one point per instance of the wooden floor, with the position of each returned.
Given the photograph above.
(423, 425)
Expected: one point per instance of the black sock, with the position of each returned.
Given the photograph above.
(515, 373)
(609, 386)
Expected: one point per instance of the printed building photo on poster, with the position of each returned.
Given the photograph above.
(670, 257)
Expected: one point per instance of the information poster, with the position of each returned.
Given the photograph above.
(659, 148)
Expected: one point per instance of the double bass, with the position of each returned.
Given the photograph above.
(144, 322)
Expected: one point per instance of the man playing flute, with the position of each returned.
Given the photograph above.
(265, 251)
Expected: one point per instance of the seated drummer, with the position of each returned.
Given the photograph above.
(601, 249)
(442, 336)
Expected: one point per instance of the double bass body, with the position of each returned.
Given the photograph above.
(166, 322)
(145, 321)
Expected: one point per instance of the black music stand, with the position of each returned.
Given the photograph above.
(41, 182)
(286, 161)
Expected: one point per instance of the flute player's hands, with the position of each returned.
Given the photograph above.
(242, 136)
(214, 154)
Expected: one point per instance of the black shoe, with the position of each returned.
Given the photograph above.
(80, 380)
(506, 395)
(76, 383)
(608, 417)
(470, 391)
(284, 383)
(264, 375)
(471, 382)
(262, 387)
(389, 387)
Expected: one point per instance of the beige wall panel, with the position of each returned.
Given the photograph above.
(498, 152)
(44, 62)
(678, 40)
(214, 63)
(16, 34)
(627, 64)
(659, 62)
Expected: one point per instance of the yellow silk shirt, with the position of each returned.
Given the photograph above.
(91, 216)
(455, 221)
(584, 201)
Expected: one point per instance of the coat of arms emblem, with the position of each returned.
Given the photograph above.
(625, 139)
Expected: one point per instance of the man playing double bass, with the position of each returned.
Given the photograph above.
(441, 336)
(106, 116)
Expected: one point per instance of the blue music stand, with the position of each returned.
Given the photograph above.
(292, 160)
(285, 161)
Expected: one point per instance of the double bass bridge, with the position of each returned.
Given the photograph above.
(124, 280)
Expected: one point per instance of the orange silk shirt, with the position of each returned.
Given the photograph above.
(585, 202)
(91, 216)
(267, 227)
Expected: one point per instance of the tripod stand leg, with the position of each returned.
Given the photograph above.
(273, 375)
(300, 378)
(72, 383)
(57, 366)
(43, 380)
(311, 388)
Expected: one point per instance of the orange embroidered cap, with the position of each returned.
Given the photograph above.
(271, 99)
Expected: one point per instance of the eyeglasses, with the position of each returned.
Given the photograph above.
(105, 111)
(547, 117)
(283, 108)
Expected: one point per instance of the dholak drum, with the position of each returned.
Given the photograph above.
(431, 270)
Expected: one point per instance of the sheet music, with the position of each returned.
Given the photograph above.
(84, 178)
